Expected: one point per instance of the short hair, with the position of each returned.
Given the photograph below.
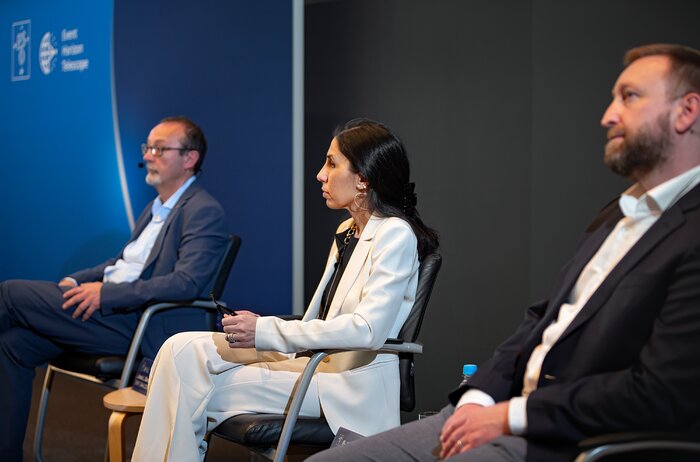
(194, 138)
(684, 75)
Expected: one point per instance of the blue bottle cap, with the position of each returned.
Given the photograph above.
(469, 369)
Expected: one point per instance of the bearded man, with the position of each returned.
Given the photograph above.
(615, 348)
(172, 255)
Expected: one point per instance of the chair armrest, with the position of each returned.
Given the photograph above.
(602, 446)
(290, 317)
(129, 362)
(630, 437)
(391, 346)
(394, 345)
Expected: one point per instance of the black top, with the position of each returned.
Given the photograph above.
(345, 252)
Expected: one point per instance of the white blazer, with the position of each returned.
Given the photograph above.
(357, 390)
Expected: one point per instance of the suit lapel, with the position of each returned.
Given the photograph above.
(355, 264)
(594, 236)
(598, 232)
(315, 304)
(669, 221)
(143, 220)
(158, 244)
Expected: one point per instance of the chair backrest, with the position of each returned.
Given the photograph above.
(151, 334)
(427, 274)
(225, 265)
(222, 273)
(429, 268)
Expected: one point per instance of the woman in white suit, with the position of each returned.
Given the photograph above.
(199, 379)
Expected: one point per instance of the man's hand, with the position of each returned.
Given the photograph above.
(471, 426)
(87, 298)
(242, 328)
(65, 282)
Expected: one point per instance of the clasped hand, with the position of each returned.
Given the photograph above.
(472, 425)
(242, 328)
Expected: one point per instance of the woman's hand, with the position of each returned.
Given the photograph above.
(240, 329)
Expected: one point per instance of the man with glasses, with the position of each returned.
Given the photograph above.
(616, 347)
(172, 255)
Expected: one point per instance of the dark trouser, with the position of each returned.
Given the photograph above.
(33, 330)
(419, 442)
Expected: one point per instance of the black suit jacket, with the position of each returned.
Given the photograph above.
(630, 360)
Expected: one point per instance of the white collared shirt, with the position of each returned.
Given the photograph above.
(640, 213)
(129, 267)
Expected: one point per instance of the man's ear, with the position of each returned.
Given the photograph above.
(191, 159)
(688, 112)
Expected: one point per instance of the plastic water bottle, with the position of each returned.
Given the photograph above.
(467, 371)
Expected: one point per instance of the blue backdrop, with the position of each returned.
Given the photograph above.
(85, 83)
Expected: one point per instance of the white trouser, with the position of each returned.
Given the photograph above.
(197, 381)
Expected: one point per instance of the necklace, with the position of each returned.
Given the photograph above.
(351, 232)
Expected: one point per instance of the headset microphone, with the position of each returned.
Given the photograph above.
(141, 164)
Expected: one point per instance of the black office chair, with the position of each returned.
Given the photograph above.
(260, 433)
(117, 371)
(641, 447)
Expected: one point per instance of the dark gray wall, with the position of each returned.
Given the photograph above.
(499, 105)
(577, 55)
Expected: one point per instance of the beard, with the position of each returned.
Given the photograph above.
(153, 178)
(641, 151)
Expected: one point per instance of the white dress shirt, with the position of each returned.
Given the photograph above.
(129, 267)
(641, 210)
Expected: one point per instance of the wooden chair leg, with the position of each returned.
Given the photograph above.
(116, 436)
(123, 403)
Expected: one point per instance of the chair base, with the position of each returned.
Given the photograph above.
(51, 372)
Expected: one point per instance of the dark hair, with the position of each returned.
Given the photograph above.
(380, 158)
(685, 65)
(194, 138)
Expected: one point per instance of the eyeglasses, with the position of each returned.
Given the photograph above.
(157, 151)
(222, 309)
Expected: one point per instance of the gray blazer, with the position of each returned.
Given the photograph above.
(181, 266)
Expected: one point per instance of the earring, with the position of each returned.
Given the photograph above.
(361, 186)
(361, 197)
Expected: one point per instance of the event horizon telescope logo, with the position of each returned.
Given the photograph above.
(21, 50)
(48, 49)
